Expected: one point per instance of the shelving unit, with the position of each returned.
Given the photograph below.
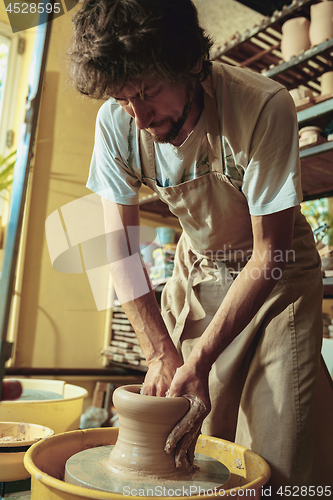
(124, 349)
(259, 50)
(328, 286)
(304, 69)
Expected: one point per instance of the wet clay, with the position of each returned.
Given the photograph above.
(144, 425)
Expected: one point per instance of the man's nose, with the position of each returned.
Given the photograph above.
(143, 113)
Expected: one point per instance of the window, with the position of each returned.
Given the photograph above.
(4, 53)
(319, 215)
(10, 71)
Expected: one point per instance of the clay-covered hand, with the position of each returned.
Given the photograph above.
(190, 381)
(185, 434)
(160, 374)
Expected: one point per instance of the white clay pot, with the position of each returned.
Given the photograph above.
(309, 131)
(299, 94)
(326, 83)
(295, 37)
(321, 26)
(144, 425)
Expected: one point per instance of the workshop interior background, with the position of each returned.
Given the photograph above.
(54, 320)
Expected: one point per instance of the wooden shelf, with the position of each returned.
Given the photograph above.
(134, 369)
(320, 149)
(316, 111)
(317, 171)
(259, 50)
(238, 47)
(304, 69)
(328, 288)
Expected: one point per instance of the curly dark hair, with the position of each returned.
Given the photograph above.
(119, 41)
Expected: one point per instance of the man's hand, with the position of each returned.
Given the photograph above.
(169, 377)
(160, 374)
(194, 387)
(185, 434)
(11, 389)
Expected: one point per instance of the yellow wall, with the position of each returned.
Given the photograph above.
(59, 325)
(3, 13)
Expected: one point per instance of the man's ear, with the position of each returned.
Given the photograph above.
(198, 67)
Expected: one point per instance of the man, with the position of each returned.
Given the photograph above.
(241, 328)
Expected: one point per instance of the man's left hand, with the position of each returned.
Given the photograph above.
(184, 436)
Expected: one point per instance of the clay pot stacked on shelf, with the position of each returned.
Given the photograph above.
(295, 37)
(301, 96)
(309, 136)
(321, 26)
(321, 29)
(299, 34)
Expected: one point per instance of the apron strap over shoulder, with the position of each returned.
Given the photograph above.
(147, 157)
(213, 102)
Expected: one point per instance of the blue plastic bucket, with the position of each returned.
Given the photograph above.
(165, 235)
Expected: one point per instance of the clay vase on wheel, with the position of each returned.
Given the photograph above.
(144, 425)
(295, 37)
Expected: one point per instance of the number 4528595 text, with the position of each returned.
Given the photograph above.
(33, 8)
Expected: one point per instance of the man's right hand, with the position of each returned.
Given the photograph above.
(159, 375)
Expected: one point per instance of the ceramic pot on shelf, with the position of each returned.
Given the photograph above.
(295, 37)
(299, 94)
(326, 83)
(321, 26)
(144, 425)
(309, 131)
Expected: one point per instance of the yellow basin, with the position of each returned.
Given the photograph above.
(15, 440)
(46, 463)
(59, 414)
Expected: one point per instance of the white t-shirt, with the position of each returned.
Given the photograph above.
(259, 138)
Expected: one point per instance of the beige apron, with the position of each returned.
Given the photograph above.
(262, 385)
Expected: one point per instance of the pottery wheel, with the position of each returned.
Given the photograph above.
(86, 469)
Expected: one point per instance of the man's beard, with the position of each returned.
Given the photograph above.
(176, 126)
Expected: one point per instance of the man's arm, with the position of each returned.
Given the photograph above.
(271, 233)
(138, 300)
